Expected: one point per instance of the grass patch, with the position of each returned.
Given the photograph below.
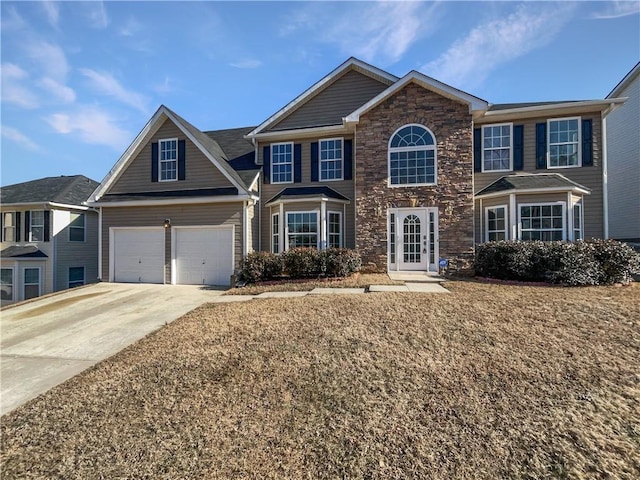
(493, 381)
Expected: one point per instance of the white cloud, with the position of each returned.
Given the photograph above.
(50, 57)
(18, 137)
(164, 87)
(97, 14)
(108, 85)
(618, 9)
(91, 125)
(247, 63)
(470, 60)
(13, 88)
(61, 92)
(52, 11)
(130, 28)
(11, 20)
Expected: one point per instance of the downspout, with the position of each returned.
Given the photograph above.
(100, 243)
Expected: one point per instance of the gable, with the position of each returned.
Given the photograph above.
(337, 100)
(200, 172)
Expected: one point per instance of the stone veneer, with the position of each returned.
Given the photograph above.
(451, 124)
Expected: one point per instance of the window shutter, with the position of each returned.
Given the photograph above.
(348, 159)
(27, 226)
(541, 145)
(315, 164)
(587, 143)
(18, 226)
(181, 160)
(47, 225)
(2, 226)
(518, 147)
(297, 163)
(477, 150)
(154, 162)
(266, 160)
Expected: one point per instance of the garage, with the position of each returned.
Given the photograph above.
(202, 255)
(138, 255)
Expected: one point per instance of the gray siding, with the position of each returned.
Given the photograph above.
(339, 99)
(344, 187)
(590, 177)
(200, 172)
(77, 254)
(180, 215)
(623, 157)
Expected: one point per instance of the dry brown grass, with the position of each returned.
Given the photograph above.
(492, 381)
(357, 280)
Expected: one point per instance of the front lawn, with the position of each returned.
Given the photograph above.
(491, 381)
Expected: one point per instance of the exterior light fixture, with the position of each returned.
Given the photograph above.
(167, 222)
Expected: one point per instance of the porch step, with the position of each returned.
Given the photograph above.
(416, 277)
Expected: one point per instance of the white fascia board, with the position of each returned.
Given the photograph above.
(321, 198)
(424, 81)
(173, 201)
(69, 207)
(503, 193)
(553, 109)
(300, 133)
(311, 91)
(9, 206)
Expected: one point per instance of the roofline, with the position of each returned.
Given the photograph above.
(44, 204)
(309, 131)
(174, 201)
(624, 83)
(533, 111)
(475, 103)
(533, 190)
(305, 198)
(309, 92)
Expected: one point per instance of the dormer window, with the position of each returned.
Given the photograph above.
(412, 157)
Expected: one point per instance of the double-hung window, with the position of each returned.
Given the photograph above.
(36, 226)
(275, 233)
(497, 151)
(334, 229)
(281, 162)
(331, 159)
(31, 283)
(8, 226)
(302, 229)
(496, 222)
(76, 227)
(6, 284)
(168, 160)
(564, 142)
(543, 221)
(412, 157)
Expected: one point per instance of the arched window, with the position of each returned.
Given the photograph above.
(412, 156)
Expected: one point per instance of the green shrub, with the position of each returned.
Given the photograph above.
(302, 262)
(594, 262)
(340, 262)
(258, 266)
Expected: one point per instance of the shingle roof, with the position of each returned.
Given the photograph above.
(239, 151)
(509, 106)
(169, 194)
(298, 192)
(70, 190)
(539, 181)
(29, 251)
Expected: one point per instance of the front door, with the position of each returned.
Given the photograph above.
(412, 239)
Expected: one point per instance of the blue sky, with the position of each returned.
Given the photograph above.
(81, 79)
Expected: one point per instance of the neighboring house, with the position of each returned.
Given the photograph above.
(407, 170)
(49, 237)
(623, 149)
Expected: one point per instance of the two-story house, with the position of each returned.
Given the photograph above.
(407, 170)
(49, 237)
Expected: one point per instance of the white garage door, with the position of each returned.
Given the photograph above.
(203, 255)
(138, 255)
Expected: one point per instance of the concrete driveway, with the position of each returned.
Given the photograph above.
(45, 342)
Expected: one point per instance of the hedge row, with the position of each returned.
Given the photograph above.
(592, 262)
(300, 263)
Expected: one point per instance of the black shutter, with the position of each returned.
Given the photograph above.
(18, 226)
(154, 162)
(518, 147)
(181, 160)
(348, 159)
(477, 149)
(27, 226)
(47, 225)
(587, 143)
(297, 163)
(266, 160)
(315, 164)
(541, 145)
(1, 227)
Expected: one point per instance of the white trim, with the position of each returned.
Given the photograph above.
(320, 179)
(435, 247)
(540, 110)
(433, 148)
(482, 147)
(31, 226)
(513, 219)
(245, 230)
(84, 276)
(307, 132)
(560, 119)
(176, 201)
(323, 225)
(282, 228)
(486, 219)
(318, 225)
(13, 281)
(322, 198)
(44, 205)
(570, 217)
(4, 226)
(84, 228)
(112, 235)
(544, 204)
(579, 204)
(25, 284)
(100, 277)
(480, 221)
(575, 189)
(166, 140)
(293, 161)
(335, 212)
(273, 234)
(605, 179)
(316, 88)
